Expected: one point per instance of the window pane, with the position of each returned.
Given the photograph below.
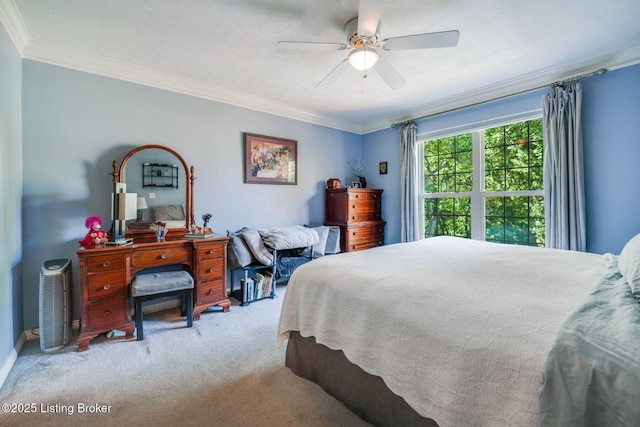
(448, 164)
(494, 180)
(536, 179)
(447, 217)
(515, 220)
(516, 148)
(517, 179)
(536, 149)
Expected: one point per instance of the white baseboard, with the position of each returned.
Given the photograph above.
(11, 359)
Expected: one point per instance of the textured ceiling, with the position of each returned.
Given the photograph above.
(227, 50)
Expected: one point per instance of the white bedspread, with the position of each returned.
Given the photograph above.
(459, 328)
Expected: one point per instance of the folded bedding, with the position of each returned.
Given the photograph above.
(295, 236)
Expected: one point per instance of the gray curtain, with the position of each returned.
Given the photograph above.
(563, 169)
(410, 228)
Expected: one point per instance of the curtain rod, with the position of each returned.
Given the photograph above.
(598, 72)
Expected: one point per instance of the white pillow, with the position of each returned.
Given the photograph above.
(256, 246)
(629, 264)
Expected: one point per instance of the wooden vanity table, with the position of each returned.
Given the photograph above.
(106, 271)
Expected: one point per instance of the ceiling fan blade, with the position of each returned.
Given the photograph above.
(369, 17)
(422, 41)
(311, 45)
(333, 74)
(389, 74)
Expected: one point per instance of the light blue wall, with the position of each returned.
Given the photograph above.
(384, 146)
(611, 118)
(76, 124)
(11, 322)
(611, 110)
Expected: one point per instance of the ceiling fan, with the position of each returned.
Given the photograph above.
(365, 43)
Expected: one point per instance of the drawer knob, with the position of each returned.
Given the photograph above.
(106, 264)
(163, 256)
(211, 270)
(211, 292)
(107, 313)
(107, 286)
(211, 251)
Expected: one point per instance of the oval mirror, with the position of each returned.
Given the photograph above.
(160, 185)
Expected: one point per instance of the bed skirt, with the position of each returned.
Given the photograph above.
(363, 393)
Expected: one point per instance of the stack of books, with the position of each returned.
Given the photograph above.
(120, 242)
(261, 286)
(198, 233)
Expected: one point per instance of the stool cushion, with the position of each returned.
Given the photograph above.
(155, 283)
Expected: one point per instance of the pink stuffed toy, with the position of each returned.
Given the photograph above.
(94, 236)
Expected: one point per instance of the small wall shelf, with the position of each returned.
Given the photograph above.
(159, 175)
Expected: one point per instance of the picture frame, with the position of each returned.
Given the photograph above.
(270, 160)
(356, 184)
(383, 168)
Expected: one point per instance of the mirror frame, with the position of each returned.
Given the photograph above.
(119, 176)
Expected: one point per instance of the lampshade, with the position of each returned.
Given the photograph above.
(130, 208)
(142, 203)
(363, 58)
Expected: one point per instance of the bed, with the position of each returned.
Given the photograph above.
(454, 332)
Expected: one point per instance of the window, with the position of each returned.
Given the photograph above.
(486, 184)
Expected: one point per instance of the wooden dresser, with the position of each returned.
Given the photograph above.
(358, 212)
(106, 273)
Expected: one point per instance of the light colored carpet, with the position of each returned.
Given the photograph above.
(225, 371)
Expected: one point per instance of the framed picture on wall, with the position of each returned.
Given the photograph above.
(269, 160)
(383, 168)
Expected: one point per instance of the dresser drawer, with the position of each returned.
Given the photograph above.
(358, 238)
(210, 269)
(211, 291)
(101, 285)
(368, 210)
(161, 256)
(104, 263)
(105, 314)
(210, 251)
(364, 234)
(369, 195)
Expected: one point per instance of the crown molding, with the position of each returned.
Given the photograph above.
(521, 84)
(14, 26)
(90, 63)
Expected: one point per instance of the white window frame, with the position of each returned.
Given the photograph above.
(477, 194)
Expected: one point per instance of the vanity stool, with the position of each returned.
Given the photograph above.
(150, 286)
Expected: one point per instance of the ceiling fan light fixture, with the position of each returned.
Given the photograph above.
(363, 58)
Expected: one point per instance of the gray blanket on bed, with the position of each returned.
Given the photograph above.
(592, 374)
